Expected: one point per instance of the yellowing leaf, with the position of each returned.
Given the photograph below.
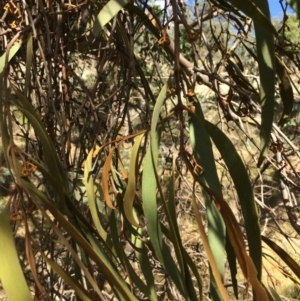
(131, 187)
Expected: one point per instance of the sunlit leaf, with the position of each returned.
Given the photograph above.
(90, 190)
(11, 274)
(204, 158)
(284, 256)
(106, 14)
(131, 187)
(14, 49)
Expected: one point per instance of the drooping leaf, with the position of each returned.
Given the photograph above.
(14, 49)
(274, 294)
(237, 241)
(90, 190)
(204, 158)
(144, 262)
(149, 187)
(29, 55)
(11, 274)
(79, 289)
(51, 160)
(105, 179)
(175, 237)
(244, 190)
(132, 274)
(209, 253)
(254, 11)
(285, 90)
(106, 14)
(231, 257)
(97, 255)
(284, 256)
(131, 187)
(266, 66)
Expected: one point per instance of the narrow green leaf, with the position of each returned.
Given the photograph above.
(284, 256)
(134, 278)
(203, 154)
(79, 289)
(244, 190)
(90, 191)
(112, 276)
(3, 125)
(255, 11)
(149, 184)
(29, 53)
(155, 115)
(149, 187)
(109, 10)
(189, 261)
(231, 258)
(222, 293)
(11, 274)
(14, 49)
(175, 237)
(266, 65)
(285, 90)
(131, 187)
(274, 294)
(142, 257)
(51, 160)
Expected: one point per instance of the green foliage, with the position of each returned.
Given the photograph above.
(118, 120)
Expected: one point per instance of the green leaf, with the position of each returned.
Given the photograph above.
(285, 90)
(50, 157)
(144, 261)
(149, 187)
(284, 256)
(274, 294)
(231, 257)
(29, 53)
(110, 10)
(203, 154)
(265, 58)
(11, 274)
(189, 261)
(14, 49)
(74, 284)
(175, 237)
(134, 278)
(254, 10)
(131, 187)
(112, 276)
(90, 190)
(244, 190)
